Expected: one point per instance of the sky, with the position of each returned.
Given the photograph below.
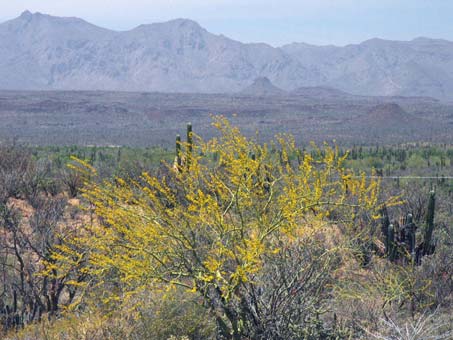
(276, 22)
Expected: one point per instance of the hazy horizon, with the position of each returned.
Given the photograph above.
(323, 22)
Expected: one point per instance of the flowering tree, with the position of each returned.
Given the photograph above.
(225, 223)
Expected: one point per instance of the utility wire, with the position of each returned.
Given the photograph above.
(407, 177)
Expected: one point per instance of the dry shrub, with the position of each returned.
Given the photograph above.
(175, 314)
(424, 327)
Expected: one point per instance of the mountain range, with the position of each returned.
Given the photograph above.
(43, 52)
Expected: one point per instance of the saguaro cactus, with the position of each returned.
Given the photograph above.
(410, 235)
(391, 246)
(180, 160)
(178, 152)
(189, 144)
(427, 240)
(399, 241)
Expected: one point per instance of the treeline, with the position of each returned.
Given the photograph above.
(433, 159)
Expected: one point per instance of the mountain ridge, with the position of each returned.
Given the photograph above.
(43, 52)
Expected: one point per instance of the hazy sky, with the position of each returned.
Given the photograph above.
(275, 22)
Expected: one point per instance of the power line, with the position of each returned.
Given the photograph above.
(407, 177)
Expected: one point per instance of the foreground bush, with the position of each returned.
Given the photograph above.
(247, 231)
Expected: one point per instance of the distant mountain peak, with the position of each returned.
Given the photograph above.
(262, 86)
(262, 81)
(179, 23)
(26, 14)
(185, 22)
(53, 28)
(373, 40)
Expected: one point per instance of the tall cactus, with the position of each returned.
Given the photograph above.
(189, 144)
(178, 152)
(395, 244)
(427, 241)
(391, 246)
(410, 235)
